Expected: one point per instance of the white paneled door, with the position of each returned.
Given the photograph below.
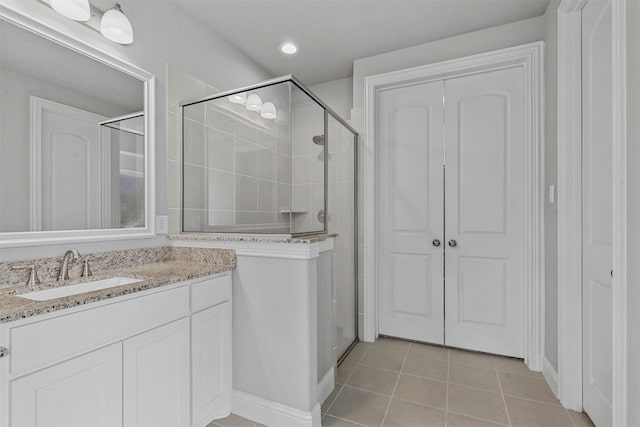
(451, 182)
(597, 233)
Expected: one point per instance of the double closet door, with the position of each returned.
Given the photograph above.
(451, 238)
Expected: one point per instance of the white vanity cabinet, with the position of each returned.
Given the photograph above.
(160, 357)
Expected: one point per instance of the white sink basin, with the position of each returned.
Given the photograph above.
(65, 291)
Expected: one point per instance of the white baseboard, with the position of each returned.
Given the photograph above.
(271, 413)
(326, 385)
(550, 374)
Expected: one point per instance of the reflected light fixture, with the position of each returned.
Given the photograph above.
(254, 103)
(238, 98)
(288, 48)
(268, 111)
(116, 26)
(78, 10)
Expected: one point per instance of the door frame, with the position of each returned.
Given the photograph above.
(530, 58)
(570, 207)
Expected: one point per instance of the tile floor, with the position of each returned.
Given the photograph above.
(394, 383)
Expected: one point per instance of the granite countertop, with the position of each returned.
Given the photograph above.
(153, 275)
(313, 238)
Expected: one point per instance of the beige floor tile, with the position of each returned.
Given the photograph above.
(407, 414)
(329, 400)
(422, 391)
(431, 351)
(527, 388)
(580, 419)
(234, 420)
(526, 413)
(514, 366)
(330, 421)
(374, 379)
(344, 372)
(357, 352)
(384, 359)
(470, 358)
(477, 403)
(474, 377)
(457, 420)
(359, 406)
(423, 366)
(391, 344)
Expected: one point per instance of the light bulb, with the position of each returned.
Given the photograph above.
(116, 27)
(78, 10)
(238, 98)
(268, 111)
(254, 103)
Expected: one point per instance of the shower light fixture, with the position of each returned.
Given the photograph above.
(254, 103)
(268, 111)
(288, 48)
(116, 26)
(78, 10)
(238, 98)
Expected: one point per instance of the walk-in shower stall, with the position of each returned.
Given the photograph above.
(272, 158)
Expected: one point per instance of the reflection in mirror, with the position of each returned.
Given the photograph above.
(72, 142)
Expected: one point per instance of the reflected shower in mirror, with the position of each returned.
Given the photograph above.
(72, 139)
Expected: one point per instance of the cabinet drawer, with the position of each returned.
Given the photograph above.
(210, 292)
(45, 342)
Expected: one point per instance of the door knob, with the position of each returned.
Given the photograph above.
(436, 243)
(453, 243)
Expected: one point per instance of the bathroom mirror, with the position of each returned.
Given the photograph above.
(74, 146)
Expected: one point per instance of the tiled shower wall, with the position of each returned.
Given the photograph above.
(237, 169)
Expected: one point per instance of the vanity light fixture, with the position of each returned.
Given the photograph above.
(116, 26)
(268, 111)
(288, 48)
(238, 98)
(254, 103)
(78, 10)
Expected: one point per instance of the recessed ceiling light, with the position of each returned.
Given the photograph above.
(288, 48)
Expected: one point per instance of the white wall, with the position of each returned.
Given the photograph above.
(488, 39)
(337, 94)
(163, 35)
(551, 173)
(633, 213)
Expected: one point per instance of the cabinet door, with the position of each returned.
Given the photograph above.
(156, 372)
(85, 391)
(211, 358)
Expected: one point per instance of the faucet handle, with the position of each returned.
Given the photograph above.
(86, 270)
(33, 275)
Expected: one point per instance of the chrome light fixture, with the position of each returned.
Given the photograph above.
(254, 103)
(78, 10)
(116, 26)
(268, 111)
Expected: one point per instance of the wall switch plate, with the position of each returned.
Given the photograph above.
(162, 224)
(552, 193)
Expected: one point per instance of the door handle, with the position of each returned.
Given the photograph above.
(436, 242)
(453, 243)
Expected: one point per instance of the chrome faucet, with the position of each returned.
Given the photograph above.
(64, 265)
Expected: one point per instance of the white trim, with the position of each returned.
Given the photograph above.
(271, 413)
(550, 375)
(529, 57)
(262, 249)
(35, 17)
(569, 199)
(326, 385)
(619, 138)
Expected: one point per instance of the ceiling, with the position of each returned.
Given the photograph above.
(331, 34)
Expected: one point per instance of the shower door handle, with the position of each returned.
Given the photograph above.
(436, 243)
